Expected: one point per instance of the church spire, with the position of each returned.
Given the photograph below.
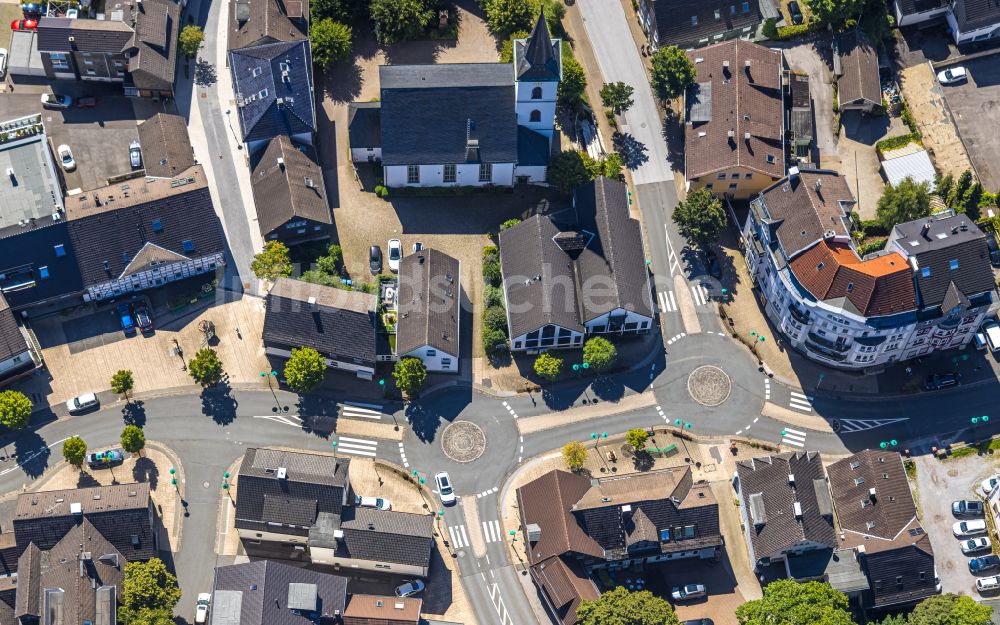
(539, 58)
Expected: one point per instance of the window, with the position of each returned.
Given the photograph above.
(746, 7)
(953, 265)
(665, 535)
(517, 344)
(91, 72)
(770, 158)
(536, 93)
(732, 9)
(446, 363)
(718, 14)
(262, 94)
(709, 185)
(157, 225)
(735, 176)
(43, 272)
(733, 185)
(535, 116)
(694, 20)
(431, 353)
(255, 72)
(413, 174)
(450, 174)
(925, 272)
(485, 172)
(60, 250)
(721, 176)
(689, 531)
(188, 245)
(60, 61)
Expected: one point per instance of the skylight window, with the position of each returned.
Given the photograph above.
(256, 72)
(953, 265)
(60, 250)
(925, 272)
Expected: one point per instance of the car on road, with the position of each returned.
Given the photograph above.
(688, 592)
(82, 402)
(967, 507)
(135, 154)
(988, 584)
(989, 484)
(952, 75)
(962, 529)
(66, 157)
(938, 381)
(372, 502)
(795, 12)
(105, 459)
(125, 319)
(142, 317)
(982, 564)
(973, 545)
(410, 588)
(712, 264)
(3, 63)
(445, 491)
(992, 331)
(53, 101)
(395, 254)
(24, 25)
(201, 608)
(375, 259)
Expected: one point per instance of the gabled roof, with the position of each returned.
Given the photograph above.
(537, 58)
(383, 610)
(253, 22)
(975, 14)
(166, 148)
(386, 536)
(909, 7)
(274, 83)
(12, 341)
(859, 81)
(547, 501)
(266, 592)
(288, 185)
(109, 36)
(807, 207)
(744, 100)
(431, 112)
(566, 583)
(674, 25)
(154, 46)
(364, 124)
(428, 303)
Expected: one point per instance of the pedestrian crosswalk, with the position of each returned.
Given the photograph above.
(459, 539)
(492, 532)
(361, 411)
(700, 294)
(356, 446)
(667, 301)
(793, 437)
(800, 402)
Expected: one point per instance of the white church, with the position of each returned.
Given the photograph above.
(451, 124)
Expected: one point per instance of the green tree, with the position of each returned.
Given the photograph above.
(492, 275)
(494, 341)
(507, 16)
(396, 20)
(622, 607)
(957, 191)
(492, 296)
(122, 382)
(575, 454)
(903, 202)
(329, 41)
(568, 170)
(272, 262)
(510, 223)
(507, 49)
(617, 96)
(573, 84)
(327, 9)
(305, 369)
(191, 38)
(672, 73)
(611, 165)
(700, 218)
(950, 609)
(15, 409)
(330, 264)
(637, 438)
(812, 603)
(133, 439)
(894, 619)
(943, 185)
(74, 451)
(835, 13)
(410, 374)
(147, 617)
(495, 318)
(548, 366)
(205, 367)
(599, 353)
(149, 586)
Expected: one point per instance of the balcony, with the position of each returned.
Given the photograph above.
(798, 315)
(828, 354)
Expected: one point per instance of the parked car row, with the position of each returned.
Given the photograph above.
(971, 543)
(395, 255)
(134, 315)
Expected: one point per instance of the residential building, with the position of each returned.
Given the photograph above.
(165, 146)
(572, 525)
(373, 540)
(697, 23)
(17, 358)
(472, 124)
(258, 22)
(364, 131)
(375, 610)
(908, 12)
(801, 131)
(266, 592)
(274, 92)
(339, 324)
(429, 310)
(968, 20)
(577, 272)
(734, 112)
(855, 64)
(879, 528)
(136, 46)
(289, 193)
(855, 313)
(787, 513)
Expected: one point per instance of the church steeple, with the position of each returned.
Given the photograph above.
(539, 58)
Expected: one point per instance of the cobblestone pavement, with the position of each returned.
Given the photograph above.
(927, 104)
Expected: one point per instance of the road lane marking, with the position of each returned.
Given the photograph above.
(848, 426)
(357, 446)
(361, 411)
(793, 437)
(667, 301)
(32, 455)
(699, 294)
(800, 402)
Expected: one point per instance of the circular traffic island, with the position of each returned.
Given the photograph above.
(463, 441)
(709, 385)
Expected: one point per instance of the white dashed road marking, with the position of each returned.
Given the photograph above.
(859, 425)
(767, 388)
(402, 455)
(487, 492)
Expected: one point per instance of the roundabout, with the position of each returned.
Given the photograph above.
(709, 385)
(463, 441)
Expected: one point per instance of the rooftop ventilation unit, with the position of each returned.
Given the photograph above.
(797, 508)
(282, 473)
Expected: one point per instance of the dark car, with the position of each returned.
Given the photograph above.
(375, 259)
(712, 264)
(795, 12)
(699, 621)
(102, 459)
(125, 318)
(983, 564)
(938, 381)
(967, 507)
(142, 317)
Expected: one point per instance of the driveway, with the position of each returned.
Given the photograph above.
(938, 484)
(971, 103)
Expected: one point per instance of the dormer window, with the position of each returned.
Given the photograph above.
(694, 20)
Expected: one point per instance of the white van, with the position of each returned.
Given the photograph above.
(992, 331)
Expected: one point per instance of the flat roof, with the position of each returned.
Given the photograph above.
(29, 186)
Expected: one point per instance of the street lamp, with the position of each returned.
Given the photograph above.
(757, 338)
(268, 375)
(334, 445)
(173, 479)
(597, 437)
(229, 118)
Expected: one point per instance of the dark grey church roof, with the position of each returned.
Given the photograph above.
(274, 103)
(532, 148)
(537, 58)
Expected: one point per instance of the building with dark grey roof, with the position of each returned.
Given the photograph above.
(968, 20)
(289, 193)
(17, 358)
(266, 592)
(274, 92)
(909, 12)
(166, 148)
(428, 311)
(697, 23)
(339, 324)
(786, 509)
(374, 540)
(576, 272)
(364, 131)
(856, 67)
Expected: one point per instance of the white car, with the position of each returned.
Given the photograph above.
(988, 584)
(53, 101)
(973, 545)
(3, 63)
(989, 484)
(688, 592)
(201, 611)
(445, 491)
(992, 331)
(66, 157)
(135, 154)
(962, 529)
(410, 588)
(373, 502)
(395, 254)
(82, 402)
(952, 75)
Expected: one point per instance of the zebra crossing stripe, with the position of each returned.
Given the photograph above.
(700, 294)
(361, 411)
(451, 532)
(800, 402)
(357, 446)
(793, 437)
(667, 301)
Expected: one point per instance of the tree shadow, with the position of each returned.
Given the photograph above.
(426, 417)
(673, 134)
(145, 470)
(318, 415)
(642, 460)
(205, 74)
(631, 150)
(218, 402)
(134, 413)
(86, 480)
(32, 453)
(608, 388)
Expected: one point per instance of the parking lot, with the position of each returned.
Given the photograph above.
(972, 102)
(940, 483)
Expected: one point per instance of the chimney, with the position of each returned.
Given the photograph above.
(746, 136)
(871, 493)
(747, 63)
(282, 473)
(725, 63)
(925, 230)
(534, 533)
(312, 304)
(797, 508)
(819, 185)
(791, 479)
(285, 76)
(731, 134)
(281, 163)
(793, 173)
